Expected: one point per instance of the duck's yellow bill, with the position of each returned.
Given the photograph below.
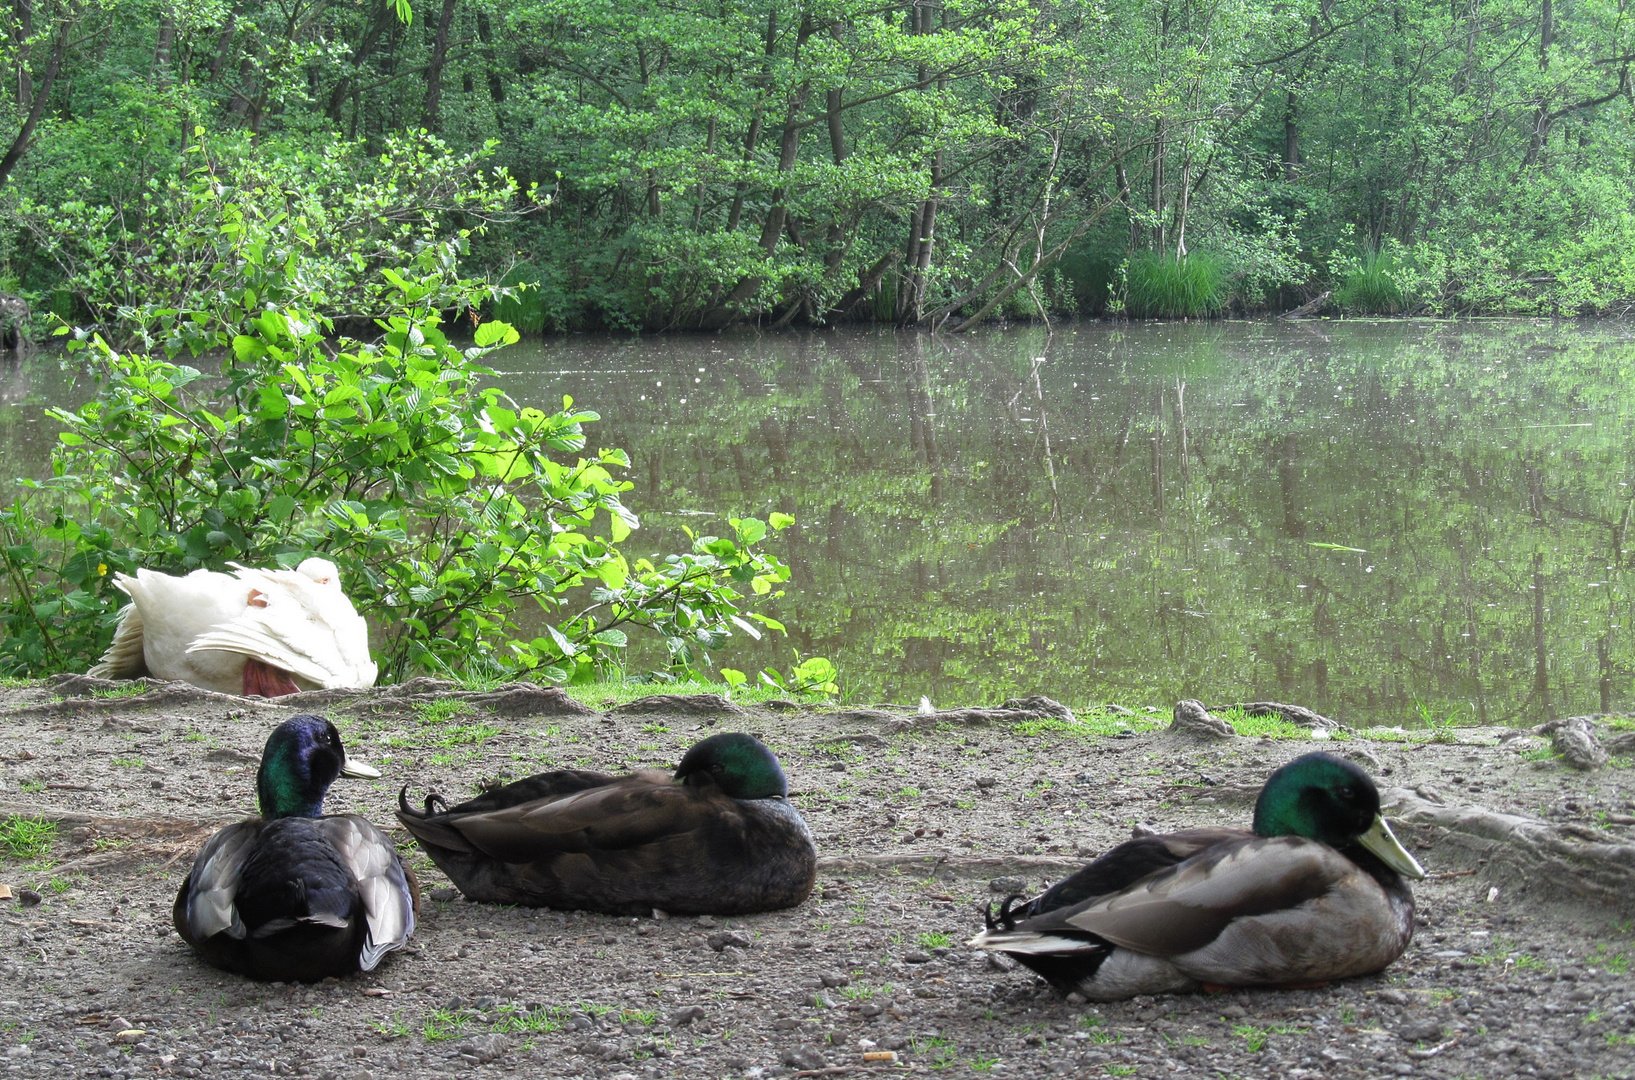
(365, 771)
(1383, 842)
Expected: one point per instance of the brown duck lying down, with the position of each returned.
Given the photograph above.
(717, 838)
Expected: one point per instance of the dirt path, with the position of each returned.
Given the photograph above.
(1519, 966)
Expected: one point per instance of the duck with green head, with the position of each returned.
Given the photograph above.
(1313, 893)
(718, 837)
(294, 895)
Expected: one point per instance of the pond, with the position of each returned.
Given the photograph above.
(1389, 522)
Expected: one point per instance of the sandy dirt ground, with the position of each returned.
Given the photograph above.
(1518, 965)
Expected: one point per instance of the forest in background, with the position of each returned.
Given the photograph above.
(689, 165)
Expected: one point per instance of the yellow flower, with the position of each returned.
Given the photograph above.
(102, 569)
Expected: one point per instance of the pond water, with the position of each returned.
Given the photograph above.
(1389, 522)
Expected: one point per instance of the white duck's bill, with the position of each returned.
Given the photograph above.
(364, 771)
(1383, 842)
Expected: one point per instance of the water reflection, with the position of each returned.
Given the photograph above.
(1385, 522)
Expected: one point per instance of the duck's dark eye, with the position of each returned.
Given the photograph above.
(1348, 793)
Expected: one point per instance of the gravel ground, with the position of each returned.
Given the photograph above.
(1508, 974)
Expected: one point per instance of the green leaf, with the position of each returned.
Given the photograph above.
(280, 507)
(494, 332)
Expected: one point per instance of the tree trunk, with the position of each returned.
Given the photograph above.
(1291, 138)
(753, 135)
(347, 84)
(1541, 112)
(434, 70)
(42, 93)
(163, 47)
(224, 43)
(867, 282)
(23, 29)
(788, 154)
(485, 34)
(911, 296)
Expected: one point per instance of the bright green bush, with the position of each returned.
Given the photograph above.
(1160, 287)
(1371, 288)
(182, 263)
(476, 534)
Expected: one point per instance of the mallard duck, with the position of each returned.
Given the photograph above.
(718, 838)
(267, 632)
(1314, 893)
(294, 895)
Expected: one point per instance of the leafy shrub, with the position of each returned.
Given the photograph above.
(1371, 287)
(476, 534)
(184, 261)
(1165, 288)
(452, 512)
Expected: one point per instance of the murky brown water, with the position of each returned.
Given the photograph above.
(1383, 521)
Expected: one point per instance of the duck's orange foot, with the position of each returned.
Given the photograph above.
(1216, 988)
(262, 678)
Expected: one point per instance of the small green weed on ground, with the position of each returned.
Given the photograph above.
(25, 838)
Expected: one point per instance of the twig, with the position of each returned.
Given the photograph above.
(1432, 1051)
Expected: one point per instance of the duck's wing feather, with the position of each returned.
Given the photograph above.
(212, 888)
(390, 893)
(295, 624)
(1128, 863)
(625, 813)
(1188, 906)
(330, 606)
(124, 658)
(434, 828)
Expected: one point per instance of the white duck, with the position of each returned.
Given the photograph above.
(267, 632)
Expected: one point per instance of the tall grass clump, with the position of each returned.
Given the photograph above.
(521, 306)
(1160, 287)
(1371, 287)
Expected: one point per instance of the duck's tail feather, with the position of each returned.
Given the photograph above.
(1034, 943)
(433, 801)
(1009, 912)
(124, 658)
(321, 918)
(426, 826)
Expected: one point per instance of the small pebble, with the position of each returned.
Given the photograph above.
(1422, 1029)
(720, 940)
(805, 1056)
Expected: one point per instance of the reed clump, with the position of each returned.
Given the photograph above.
(523, 308)
(1161, 287)
(1371, 287)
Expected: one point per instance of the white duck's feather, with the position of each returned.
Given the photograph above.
(202, 628)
